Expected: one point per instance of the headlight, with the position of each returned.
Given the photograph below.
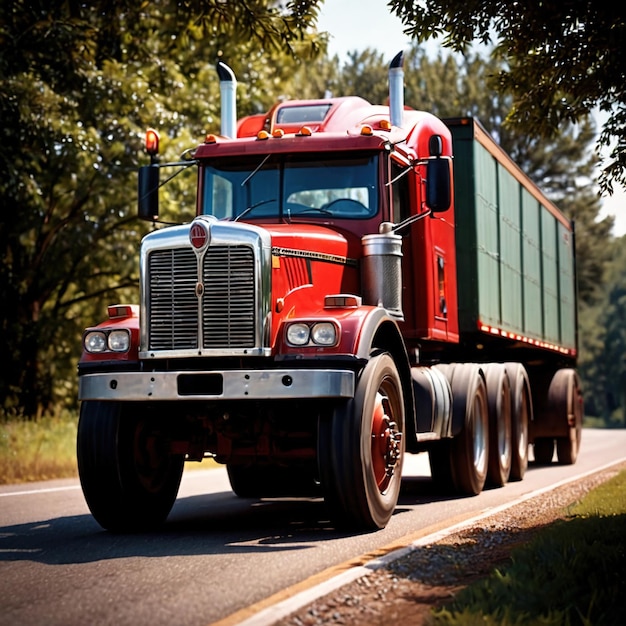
(119, 341)
(95, 341)
(298, 334)
(318, 333)
(100, 341)
(324, 334)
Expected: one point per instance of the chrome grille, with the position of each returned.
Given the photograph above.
(228, 313)
(227, 304)
(173, 305)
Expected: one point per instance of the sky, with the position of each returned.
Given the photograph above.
(359, 24)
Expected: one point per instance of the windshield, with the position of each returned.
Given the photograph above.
(287, 186)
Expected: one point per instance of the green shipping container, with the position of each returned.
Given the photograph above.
(515, 249)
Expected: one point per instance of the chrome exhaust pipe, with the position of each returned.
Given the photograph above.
(396, 90)
(228, 97)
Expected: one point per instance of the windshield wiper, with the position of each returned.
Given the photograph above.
(252, 207)
(256, 169)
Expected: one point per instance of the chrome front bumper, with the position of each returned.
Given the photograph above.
(220, 385)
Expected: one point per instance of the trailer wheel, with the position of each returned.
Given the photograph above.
(469, 449)
(521, 416)
(565, 400)
(129, 476)
(499, 408)
(361, 449)
(543, 448)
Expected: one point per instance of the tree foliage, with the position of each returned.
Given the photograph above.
(564, 59)
(603, 339)
(79, 83)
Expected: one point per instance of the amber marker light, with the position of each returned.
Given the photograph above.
(278, 133)
(305, 131)
(152, 142)
(262, 134)
(385, 125)
(210, 139)
(366, 129)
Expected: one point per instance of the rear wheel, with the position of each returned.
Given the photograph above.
(361, 449)
(128, 474)
(469, 449)
(499, 407)
(521, 417)
(565, 399)
(543, 449)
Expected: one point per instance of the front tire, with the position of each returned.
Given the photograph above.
(361, 449)
(129, 476)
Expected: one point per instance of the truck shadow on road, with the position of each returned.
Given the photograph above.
(216, 523)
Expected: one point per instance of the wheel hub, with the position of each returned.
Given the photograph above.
(386, 443)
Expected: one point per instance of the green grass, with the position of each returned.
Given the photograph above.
(573, 572)
(39, 449)
(45, 448)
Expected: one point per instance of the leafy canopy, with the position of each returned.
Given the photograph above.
(565, 58)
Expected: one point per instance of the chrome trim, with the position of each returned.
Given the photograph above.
(222, 234)
(237, 385)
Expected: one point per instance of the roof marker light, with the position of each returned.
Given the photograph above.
(385, 125)
(122, 310)
(342, 300)
(152, 142)
(278, 133)
(366, 130)
(262, 135)
(305, 131)
(210, 139)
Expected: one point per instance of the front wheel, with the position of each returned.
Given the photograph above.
(361, 449)
(129, 476)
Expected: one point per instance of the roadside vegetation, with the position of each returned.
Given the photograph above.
(570, 573)
(38, 449)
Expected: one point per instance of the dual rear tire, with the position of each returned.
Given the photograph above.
(564, 408)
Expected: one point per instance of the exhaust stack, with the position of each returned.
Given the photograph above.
(228, 96)
(396, 90)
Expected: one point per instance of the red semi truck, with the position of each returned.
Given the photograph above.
(348, 292)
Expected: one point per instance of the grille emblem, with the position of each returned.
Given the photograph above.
(199, 235)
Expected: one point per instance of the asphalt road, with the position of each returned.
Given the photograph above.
(217, 554)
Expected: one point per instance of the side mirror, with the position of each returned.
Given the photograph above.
(438, 177)
(148, 193)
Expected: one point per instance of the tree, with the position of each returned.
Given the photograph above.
(603, 338)
(79, 83)
(563, 59)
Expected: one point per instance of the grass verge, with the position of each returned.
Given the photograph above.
(45, 448)
(571, 573)
(38, 450)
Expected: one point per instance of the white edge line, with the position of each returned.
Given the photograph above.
(272, 614)
(37, 491)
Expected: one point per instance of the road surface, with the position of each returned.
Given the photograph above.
(217, 554)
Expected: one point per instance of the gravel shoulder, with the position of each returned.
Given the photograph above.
(428, 576)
